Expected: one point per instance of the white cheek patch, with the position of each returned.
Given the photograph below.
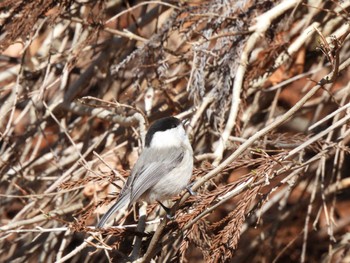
(168, 138)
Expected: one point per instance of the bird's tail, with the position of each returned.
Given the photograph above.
(122, 202)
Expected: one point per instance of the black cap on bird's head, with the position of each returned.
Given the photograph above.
(160, 125)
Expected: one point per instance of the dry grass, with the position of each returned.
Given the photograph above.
(264, 84)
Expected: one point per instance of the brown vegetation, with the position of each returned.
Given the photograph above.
(264, 85)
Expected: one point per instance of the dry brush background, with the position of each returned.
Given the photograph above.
(264, 85)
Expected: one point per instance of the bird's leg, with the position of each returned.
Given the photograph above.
(189, 190)
(167, 210)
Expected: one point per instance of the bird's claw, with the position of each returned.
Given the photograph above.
(167, 211)
(189, 190)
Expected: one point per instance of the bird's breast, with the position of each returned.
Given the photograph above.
(173, 182)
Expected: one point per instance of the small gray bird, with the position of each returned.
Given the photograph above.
(163, 169)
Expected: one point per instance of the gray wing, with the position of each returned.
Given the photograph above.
(151, 166)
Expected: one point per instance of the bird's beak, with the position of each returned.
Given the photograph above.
(185, 122)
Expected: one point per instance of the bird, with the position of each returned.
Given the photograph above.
(163, 169)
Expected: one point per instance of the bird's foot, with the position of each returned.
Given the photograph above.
(169, 214)
(189, 190)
